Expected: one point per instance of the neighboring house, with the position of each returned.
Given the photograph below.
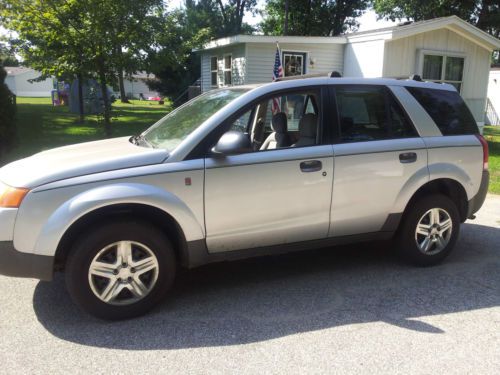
(22, 82)
(493, 101)
(446, 49)
(136, 85)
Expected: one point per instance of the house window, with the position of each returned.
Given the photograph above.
(213, 71)
(443, 68)
(228, 64)
(294, 63)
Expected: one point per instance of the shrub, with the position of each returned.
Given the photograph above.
(7, 116)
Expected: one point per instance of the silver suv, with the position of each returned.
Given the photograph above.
(241, 172)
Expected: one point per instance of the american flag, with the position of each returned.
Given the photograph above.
(277, 73)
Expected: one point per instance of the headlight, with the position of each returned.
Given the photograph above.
(11, 197)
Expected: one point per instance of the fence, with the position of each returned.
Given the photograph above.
(492, 117)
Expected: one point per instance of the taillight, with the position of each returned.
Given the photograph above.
(485, 150)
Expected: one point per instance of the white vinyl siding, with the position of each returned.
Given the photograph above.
(205, 72)
(320, 58)
(364, 59)
(20, 85)
(237, 53)
(401, 59)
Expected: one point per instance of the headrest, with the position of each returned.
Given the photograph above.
(279, 123)
(307, 125)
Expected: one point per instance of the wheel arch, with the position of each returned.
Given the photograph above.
(446, 186)
(134, 211)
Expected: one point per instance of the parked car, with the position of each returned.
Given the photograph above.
(246, 171)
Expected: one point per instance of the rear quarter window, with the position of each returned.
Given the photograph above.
(447, 109)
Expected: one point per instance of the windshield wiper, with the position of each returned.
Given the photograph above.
(140, 140)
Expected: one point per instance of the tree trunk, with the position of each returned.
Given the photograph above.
(285, 28)
(80, 98)
(123, 94)
(105, 98)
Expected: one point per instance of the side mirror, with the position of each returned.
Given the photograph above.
(232, 143)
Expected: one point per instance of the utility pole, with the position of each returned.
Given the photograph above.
(285, 29)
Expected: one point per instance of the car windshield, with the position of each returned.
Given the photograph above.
(169, 132)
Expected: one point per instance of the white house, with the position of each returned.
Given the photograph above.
(493, 101)
(446, 49)
(136, 85)
(21, 82)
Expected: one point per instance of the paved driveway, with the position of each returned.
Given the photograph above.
(335, 310)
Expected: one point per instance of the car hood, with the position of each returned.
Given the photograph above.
(78, 160)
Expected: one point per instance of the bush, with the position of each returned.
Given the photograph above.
(7, 116)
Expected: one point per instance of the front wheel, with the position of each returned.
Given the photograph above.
(429, 230)
(120, 270)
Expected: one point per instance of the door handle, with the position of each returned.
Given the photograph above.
(311, 166)
(408, 157)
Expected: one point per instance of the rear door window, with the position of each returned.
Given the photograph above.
(370, 113)
(447, 109)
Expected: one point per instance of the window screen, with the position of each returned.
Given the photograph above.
(447, 109)
(213, 70)
(442, 68)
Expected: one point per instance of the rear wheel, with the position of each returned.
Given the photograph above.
(120, 270)
(429, 230)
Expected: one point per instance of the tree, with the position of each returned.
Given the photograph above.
(484, 14)
(232, 12)
(174, 63)
(7, 57)
(312, 17)
(88, 38)
(7, 115)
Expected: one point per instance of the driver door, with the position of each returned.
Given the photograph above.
(271, 197)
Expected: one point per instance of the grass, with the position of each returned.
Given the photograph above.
(42, 126)
(492, 135)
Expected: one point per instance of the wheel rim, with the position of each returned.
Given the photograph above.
(123, 273)
(433, 231)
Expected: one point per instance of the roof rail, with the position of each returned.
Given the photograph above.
(333, 74)
(413, 77)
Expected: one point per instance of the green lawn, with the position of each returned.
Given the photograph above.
(492, 134)
(42, 126)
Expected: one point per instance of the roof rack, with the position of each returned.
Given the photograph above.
(413, 77)
(333, 74)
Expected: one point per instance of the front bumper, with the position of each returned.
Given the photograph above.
(15, 263)
(477, 201)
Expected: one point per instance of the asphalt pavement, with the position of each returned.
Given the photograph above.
(352, 309)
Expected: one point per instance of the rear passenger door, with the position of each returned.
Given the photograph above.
(377, 152)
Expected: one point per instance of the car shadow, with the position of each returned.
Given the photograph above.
(271, 297)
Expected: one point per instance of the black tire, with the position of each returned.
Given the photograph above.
(89, 245)
(406, 241)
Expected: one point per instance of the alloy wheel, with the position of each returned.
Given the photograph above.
(433, 231)
(123, 273)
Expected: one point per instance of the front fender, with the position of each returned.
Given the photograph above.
(80, 205)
